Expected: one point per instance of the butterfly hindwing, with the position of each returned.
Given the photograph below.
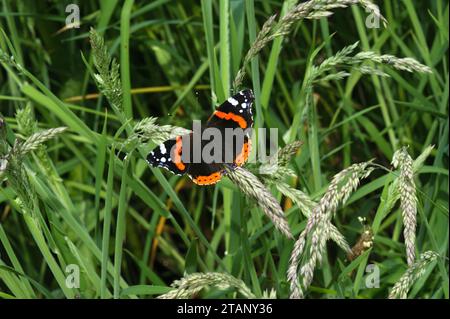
(244, 152)
(205, 174)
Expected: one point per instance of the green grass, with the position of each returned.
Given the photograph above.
(132, 229)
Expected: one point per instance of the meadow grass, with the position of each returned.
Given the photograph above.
(359, 95)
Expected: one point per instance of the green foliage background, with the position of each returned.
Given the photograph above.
(176, 55)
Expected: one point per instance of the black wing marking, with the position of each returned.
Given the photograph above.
(168, 155)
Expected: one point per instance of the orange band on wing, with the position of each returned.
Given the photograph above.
(177, 156)
(230, 116)
(243, 156)
(208, 180)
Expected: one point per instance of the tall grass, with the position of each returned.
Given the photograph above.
(362, 119)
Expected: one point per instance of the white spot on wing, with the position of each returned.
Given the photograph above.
(233, 101)
(163, 149)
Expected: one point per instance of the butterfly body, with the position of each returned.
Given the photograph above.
(205, 153)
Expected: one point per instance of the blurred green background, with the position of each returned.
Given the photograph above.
(181, 58)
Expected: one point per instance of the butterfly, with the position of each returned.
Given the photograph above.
(205, 153)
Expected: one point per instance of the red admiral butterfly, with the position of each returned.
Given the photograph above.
(176, 155)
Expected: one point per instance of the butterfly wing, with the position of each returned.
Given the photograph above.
(205, 174)
(168, 155)
(236, 114)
